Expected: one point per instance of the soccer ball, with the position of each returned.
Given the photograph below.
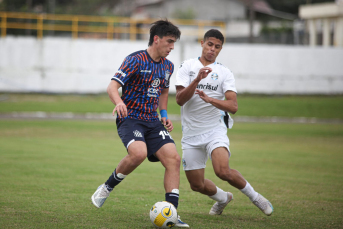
(163, 215)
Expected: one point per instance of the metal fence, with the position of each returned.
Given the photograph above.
(109, 27)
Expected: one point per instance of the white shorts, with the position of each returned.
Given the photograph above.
(197, 149)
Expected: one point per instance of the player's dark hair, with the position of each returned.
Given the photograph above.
(163, 28)
(214, 33)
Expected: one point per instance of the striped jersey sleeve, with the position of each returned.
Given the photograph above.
(126, 70)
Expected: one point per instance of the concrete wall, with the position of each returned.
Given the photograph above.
(63, 65)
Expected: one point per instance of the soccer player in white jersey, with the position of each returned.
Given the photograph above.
(206, 91)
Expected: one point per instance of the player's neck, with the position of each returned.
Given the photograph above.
(205, 62)
(153, 54)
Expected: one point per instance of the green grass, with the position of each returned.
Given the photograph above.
(49, 170)
(249, 105)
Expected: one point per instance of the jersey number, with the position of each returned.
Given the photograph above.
(164, 134)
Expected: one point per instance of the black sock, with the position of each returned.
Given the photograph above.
(172, 198)
(112, 181)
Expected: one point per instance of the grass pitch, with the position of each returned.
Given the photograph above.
(248, 105)
(50, 169)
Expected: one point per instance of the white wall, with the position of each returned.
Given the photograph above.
(272, 69)
(63, 65)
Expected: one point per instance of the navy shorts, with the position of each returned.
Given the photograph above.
(152, 133)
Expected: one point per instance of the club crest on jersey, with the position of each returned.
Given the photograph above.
(155, 83)
(214, 76)
(191, 74)
(166, 78)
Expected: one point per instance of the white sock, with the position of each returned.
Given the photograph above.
(176, 191)
(220, 196)
(249, 192)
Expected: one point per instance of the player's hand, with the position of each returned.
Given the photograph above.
(203, 96)
(203, 73)
(167, 124)
(121, 110)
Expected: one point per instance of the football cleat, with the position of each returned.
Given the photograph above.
(264, 205)
(218, 208)
(180, 223)
(100, 195)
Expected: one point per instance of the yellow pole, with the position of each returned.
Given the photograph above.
(40, 26)
(75, 27)
(200, 31)
(223, 25)
(3, 25)
(132, 30)
(110, 29)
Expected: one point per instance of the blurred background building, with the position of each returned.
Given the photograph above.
(253, 21)
(74, 46)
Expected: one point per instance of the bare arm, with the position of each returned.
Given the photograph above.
(163, 104)
(184, 94)
(113, 93)
(229, 105)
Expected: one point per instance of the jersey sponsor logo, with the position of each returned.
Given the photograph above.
(152, 92)
(137, 134)
(121, 73)
(207, 86)
(214, 76)
(191, 74)
(155, 83)
(146, 71)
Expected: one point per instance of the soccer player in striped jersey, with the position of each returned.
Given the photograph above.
(206, 91)
(144, 77)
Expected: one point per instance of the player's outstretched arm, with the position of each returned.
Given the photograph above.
(113, 93)
(183, 94)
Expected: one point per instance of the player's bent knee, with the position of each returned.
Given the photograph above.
(197, 187)
(174, 161)
(137, 158)
(224, 175)
(174, 158)
(177, 159)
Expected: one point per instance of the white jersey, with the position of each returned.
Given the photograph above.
(197, 116)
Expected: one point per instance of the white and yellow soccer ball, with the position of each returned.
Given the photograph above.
(163, 215)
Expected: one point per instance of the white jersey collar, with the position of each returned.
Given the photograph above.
(214, 63)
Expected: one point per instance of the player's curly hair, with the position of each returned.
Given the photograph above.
(214, 33)
(163, 28)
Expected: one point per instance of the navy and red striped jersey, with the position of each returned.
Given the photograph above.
(142, 81)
